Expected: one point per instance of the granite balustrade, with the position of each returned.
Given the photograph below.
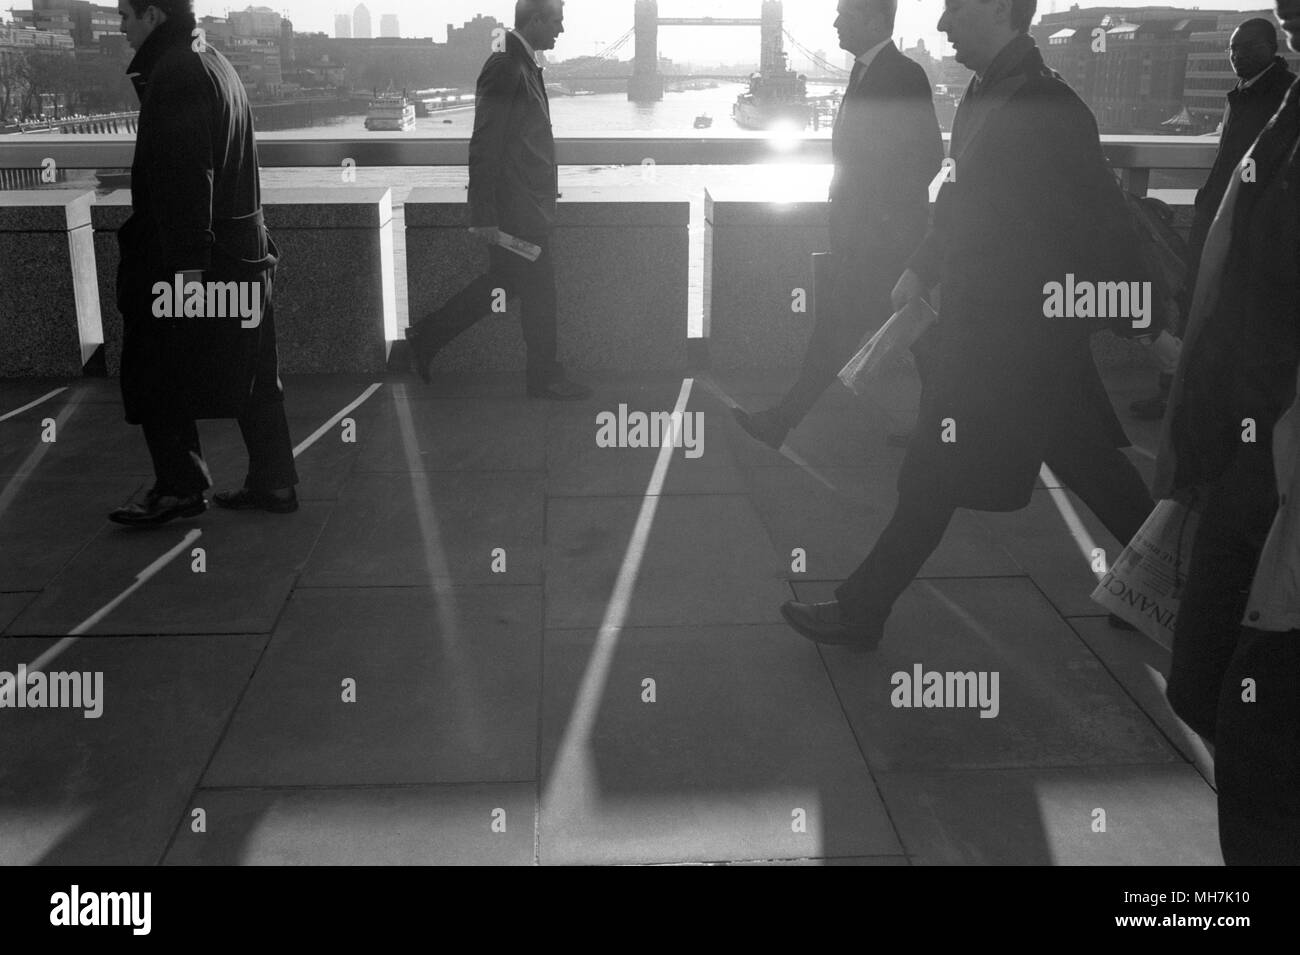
(49, 299)
(621, 265)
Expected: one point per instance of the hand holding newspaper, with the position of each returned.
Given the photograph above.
(900, 332)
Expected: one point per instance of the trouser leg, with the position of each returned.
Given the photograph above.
(1257, 752)
(913, 534)
(179, 468)
(263, 424)
(536, 284)
(856, 302)
(464, 309)
(1106, 481)
(1239, 509)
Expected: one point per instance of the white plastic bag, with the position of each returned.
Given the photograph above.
(896, 335)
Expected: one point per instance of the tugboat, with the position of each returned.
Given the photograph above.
(775, 96)
(390, 112)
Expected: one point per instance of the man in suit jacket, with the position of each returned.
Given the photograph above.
(887, 148)
(513, 186)
(1030, 203)
(196, 224)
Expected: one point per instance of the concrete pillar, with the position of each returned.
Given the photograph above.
(621, 272)
(335, 291)
(757, 253)
(49, 298)
(107, 216)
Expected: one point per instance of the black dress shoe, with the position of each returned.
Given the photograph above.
(766, 426)
(825, 623)
(248, 500)
(159, 509)
(561, 389)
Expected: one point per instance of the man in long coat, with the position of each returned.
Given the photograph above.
(1030, 203)
(197, 265)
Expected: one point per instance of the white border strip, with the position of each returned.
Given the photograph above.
(325, 428)
(38, 401)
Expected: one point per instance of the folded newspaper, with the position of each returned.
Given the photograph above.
(519, 247)
(1144, 585)
(895, 336)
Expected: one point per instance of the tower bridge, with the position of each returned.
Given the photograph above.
(647, 83)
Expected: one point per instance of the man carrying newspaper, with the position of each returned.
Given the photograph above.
(1030, 203)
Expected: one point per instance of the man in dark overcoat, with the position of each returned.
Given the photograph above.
(1030, 203)
(195, 279)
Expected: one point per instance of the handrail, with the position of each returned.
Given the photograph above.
(1135, 153)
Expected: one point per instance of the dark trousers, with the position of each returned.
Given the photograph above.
(1239, 509)
(179, 468)
(1257, 756)
(1099, 474)
(533, 282)
(178, 463)
(852, 299)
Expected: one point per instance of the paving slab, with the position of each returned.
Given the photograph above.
(1056, 704)
(417, 825)
(1153, 815)
(445, 686)
(252, 560)
(705, 560)
(1142, 666)
(77, 791)
(11, 605)
(837, 528)
(404, 530)
(1040, 542)
(744, 733)
(44, 523)
(456, 434)
(578, 467)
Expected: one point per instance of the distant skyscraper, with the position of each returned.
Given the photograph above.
(342, 27)
(388, 25)
(361, 28)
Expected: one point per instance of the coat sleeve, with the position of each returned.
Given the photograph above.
(498, 85)
(184, 110)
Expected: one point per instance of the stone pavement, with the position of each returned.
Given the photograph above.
(560, 653)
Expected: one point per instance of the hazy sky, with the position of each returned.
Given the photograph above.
(591, 24)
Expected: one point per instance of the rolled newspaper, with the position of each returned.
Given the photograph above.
(519, 247)
(899, 333)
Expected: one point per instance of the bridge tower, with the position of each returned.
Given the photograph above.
(772, 59)
(646, 85)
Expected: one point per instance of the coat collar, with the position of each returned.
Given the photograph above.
(520, 50)
(1019, 56)
(171, 33)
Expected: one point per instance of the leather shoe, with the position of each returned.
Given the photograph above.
(825, 623)
(248, 500)
(561, 389)
(159, 509)
(766, 426)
